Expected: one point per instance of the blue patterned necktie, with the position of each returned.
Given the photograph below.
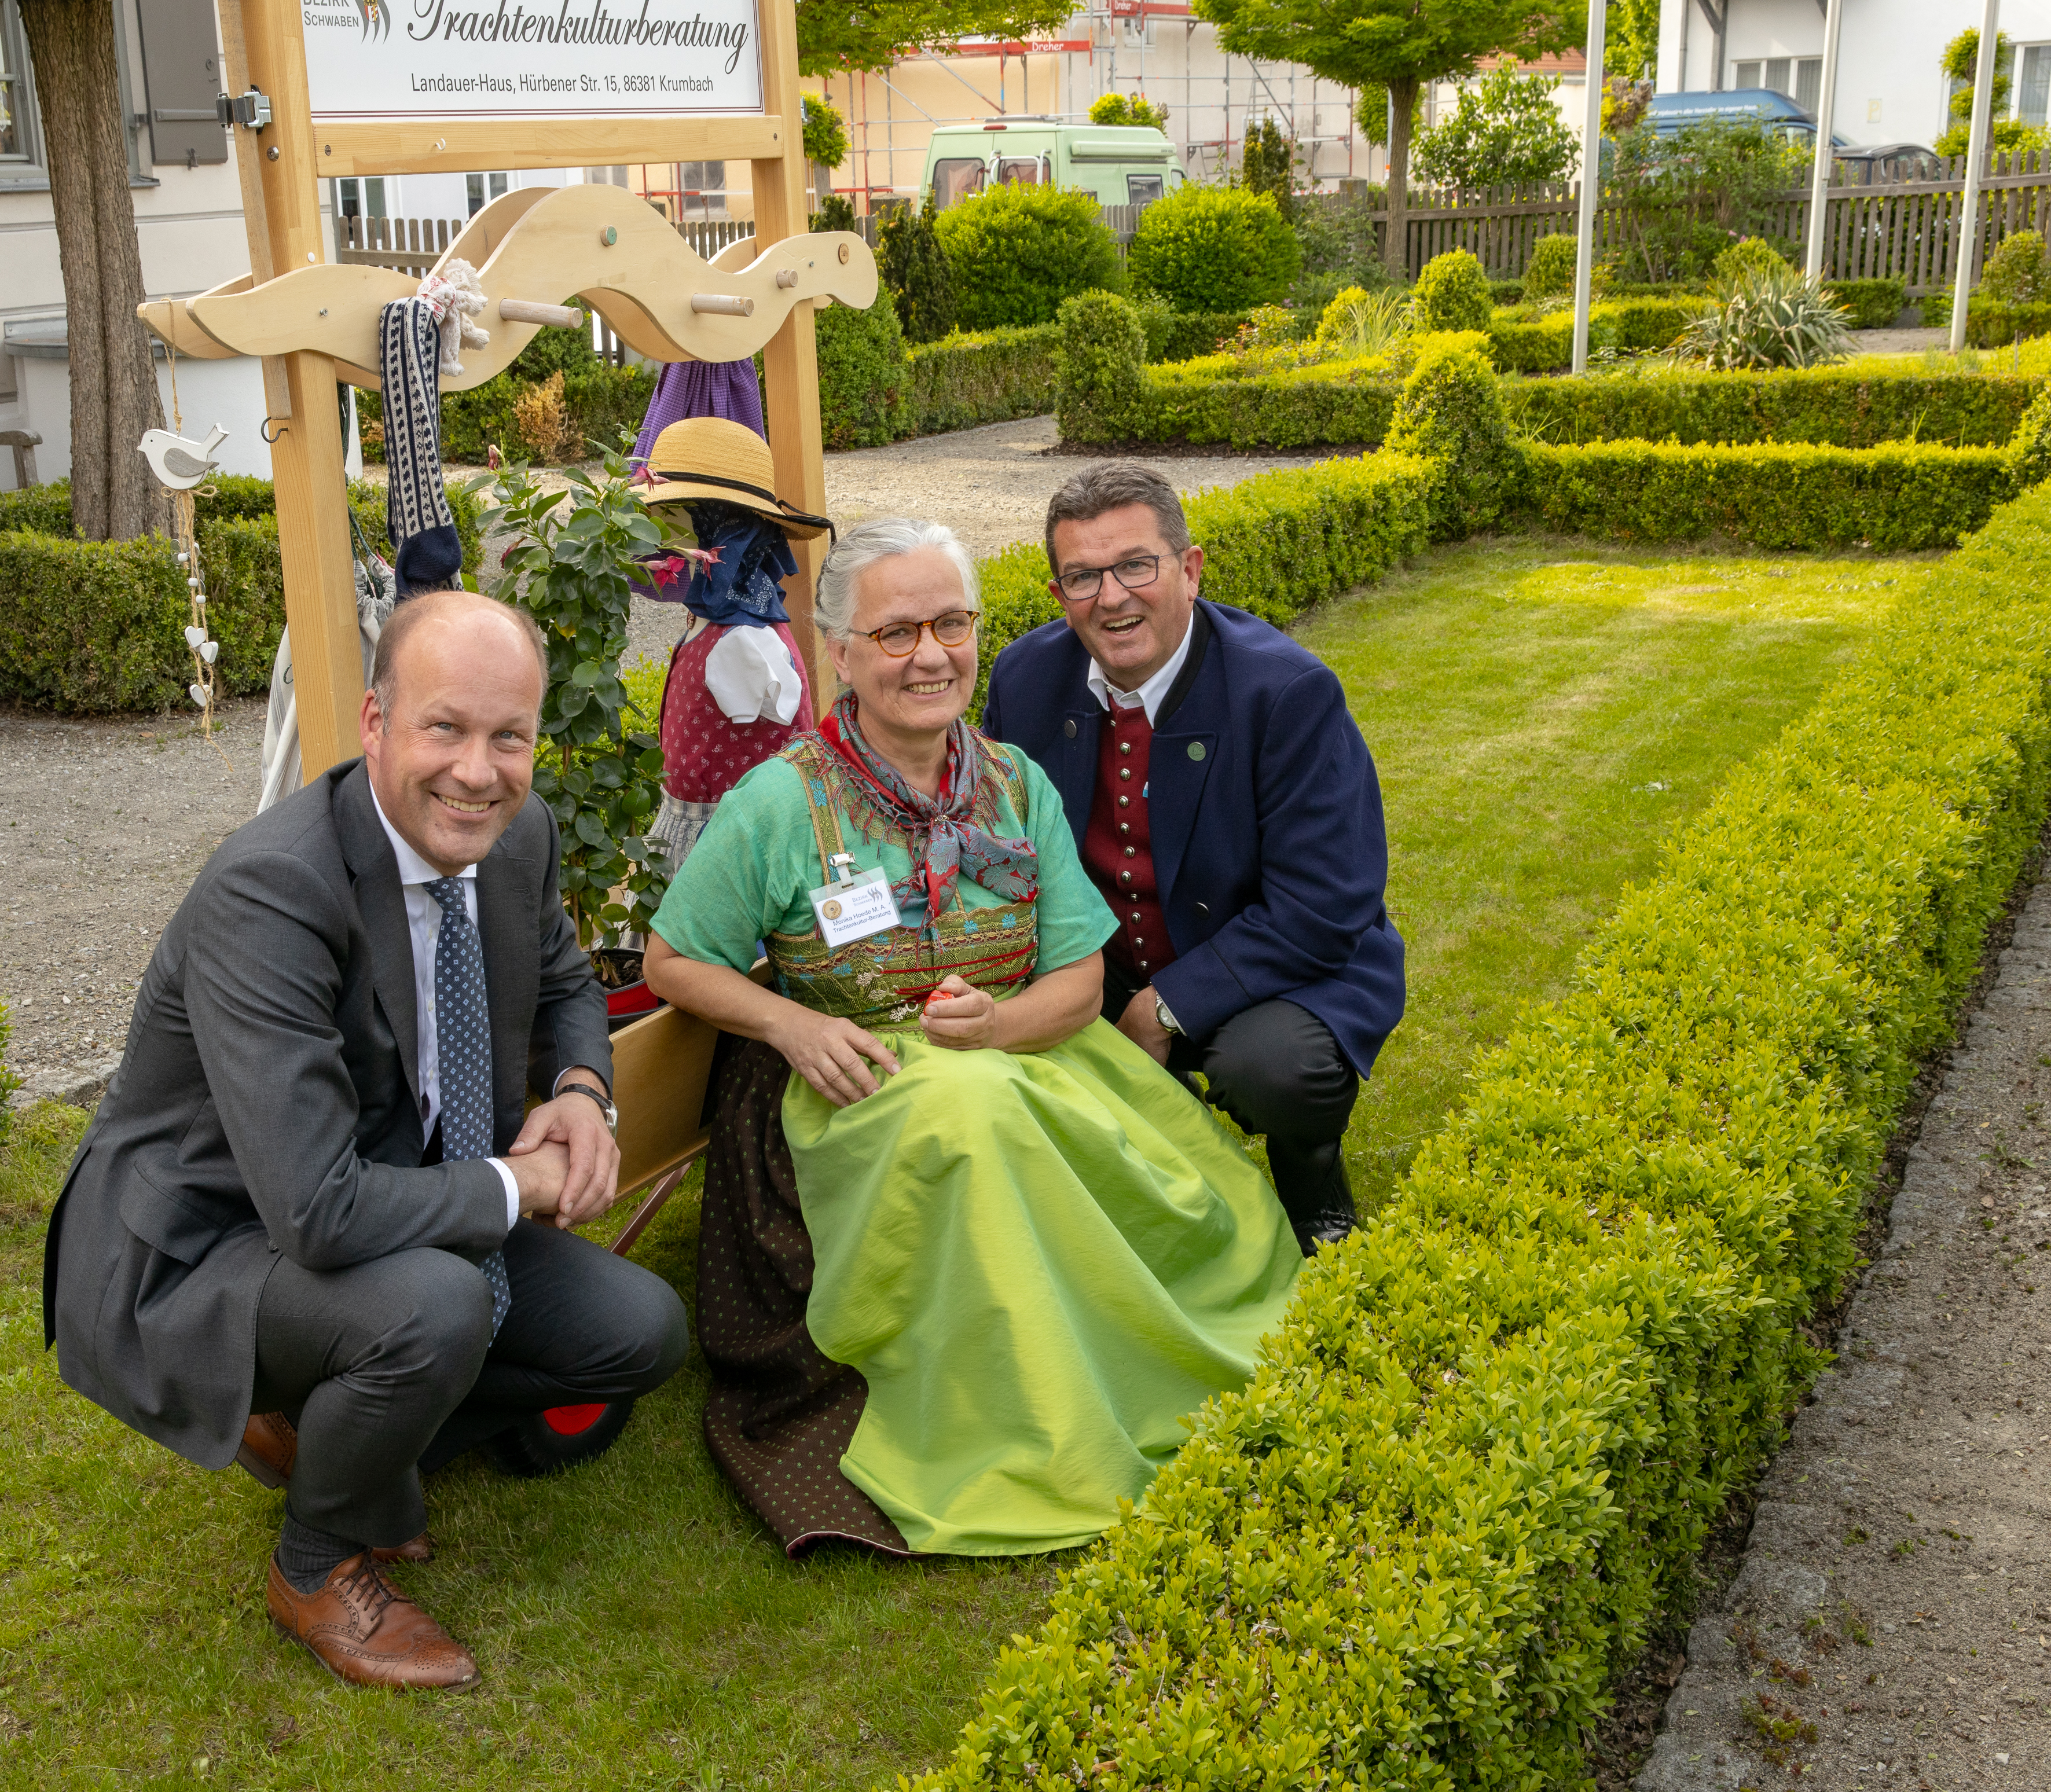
(463, 1056)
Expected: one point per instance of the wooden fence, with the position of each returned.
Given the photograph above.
(1907, 230)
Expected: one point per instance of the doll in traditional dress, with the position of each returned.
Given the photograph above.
(736, 691)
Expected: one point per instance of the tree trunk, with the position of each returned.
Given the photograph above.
(1396, 245)
(113, 387)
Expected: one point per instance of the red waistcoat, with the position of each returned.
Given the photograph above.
(704, 755)
(1118, 850)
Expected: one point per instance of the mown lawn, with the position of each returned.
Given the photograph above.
(1542, 713)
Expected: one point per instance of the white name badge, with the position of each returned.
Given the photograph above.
(854, 910)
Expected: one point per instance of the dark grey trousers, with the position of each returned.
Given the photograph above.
(1276, 1069)
(389, 1367)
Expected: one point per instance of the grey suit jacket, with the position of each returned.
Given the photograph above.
(268, 1103)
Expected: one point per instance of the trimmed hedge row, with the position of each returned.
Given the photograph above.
(1273, 545)
(962, 381)
(1485, 1444)
(90, 627)
(1896, 497)
(1544, 345)
(1828, 404)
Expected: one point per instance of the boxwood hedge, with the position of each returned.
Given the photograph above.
(1484, 1445)
(1896, 497)
(95, 626)
(1841, 406)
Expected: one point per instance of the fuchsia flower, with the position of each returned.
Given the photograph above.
(492, 458)
(667, 571)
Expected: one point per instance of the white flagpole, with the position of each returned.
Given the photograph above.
(1976, 156)
(1591, 184)
(1819, 185)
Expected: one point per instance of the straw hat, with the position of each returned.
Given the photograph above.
(715, 458)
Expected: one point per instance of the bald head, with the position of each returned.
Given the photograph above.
(478, 620)
(450, 722)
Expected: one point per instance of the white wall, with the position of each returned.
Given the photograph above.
(1890, 89)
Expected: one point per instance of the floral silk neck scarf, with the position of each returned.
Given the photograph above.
(944, 838)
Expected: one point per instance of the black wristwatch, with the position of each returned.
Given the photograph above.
(604, 1102)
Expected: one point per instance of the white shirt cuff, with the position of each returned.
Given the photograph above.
(512, 1190)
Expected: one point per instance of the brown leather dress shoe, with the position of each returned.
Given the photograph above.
(420, 1549)
(270, 1447)
(363, 1630)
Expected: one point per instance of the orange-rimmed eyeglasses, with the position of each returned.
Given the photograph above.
(900, 640)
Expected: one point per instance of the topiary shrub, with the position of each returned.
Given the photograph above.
(2030, 449)
(917, 270)
(1097, 379)
(865, 392)
(1207, 248)
(1451, 412)
(1017, 251)
(1452, 293)
(1549, 274)
(1748, 254)
(2019, 271)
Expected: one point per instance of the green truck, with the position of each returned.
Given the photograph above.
(1121, 165)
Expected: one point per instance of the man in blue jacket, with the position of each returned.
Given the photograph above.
(1225, 804)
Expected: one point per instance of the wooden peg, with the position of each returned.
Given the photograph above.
(724, 304)
(526, 310)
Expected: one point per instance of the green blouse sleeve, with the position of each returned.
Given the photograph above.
(746, 872)
(1073, 919)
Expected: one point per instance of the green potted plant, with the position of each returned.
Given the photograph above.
(572, 563)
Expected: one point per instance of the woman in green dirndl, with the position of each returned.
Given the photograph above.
(969, 1256)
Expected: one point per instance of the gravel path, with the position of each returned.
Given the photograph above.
(109, 821)
(107, 824)
(1891, 1625)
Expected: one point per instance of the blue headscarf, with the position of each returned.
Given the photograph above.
(743, 586)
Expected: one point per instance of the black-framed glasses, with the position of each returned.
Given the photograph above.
(900, 640)
(1081, 583)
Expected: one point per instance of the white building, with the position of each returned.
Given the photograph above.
(1890, 87)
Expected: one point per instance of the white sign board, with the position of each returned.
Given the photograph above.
(476, 59)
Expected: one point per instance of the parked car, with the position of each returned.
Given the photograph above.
(1666, 113)
(1121, 165)
(1878, 164)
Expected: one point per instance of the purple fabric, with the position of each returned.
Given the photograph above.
(700, 389)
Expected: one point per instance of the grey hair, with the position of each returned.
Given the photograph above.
(882, 538)
(1111, 485)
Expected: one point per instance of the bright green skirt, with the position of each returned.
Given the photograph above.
(1041, 1264)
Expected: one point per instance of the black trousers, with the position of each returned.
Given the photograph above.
(389, 1367)
(1276, 1069)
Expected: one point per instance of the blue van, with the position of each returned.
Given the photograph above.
(1665, 113)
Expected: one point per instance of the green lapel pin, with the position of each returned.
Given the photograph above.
(1196, 749)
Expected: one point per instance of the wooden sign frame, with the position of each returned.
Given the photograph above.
(282, 165)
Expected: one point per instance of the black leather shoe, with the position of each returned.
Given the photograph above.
(1327, 1228)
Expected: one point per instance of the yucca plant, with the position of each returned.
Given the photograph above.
(1767, 317)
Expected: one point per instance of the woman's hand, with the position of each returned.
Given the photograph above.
(828, 1052)
(960, 1016)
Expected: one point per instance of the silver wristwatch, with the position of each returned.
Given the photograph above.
(604, 1103)
(1166, 1020)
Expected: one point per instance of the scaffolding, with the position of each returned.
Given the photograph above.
(1222, 98)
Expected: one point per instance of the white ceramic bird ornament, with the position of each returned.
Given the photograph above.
(177, 462)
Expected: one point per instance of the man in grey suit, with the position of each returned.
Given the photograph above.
(308, 1229)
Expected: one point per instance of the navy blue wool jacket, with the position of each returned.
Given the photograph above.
(1265, 814)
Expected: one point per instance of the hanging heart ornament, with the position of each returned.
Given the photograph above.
(197, 694)
(209, 650)
(194, 635)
